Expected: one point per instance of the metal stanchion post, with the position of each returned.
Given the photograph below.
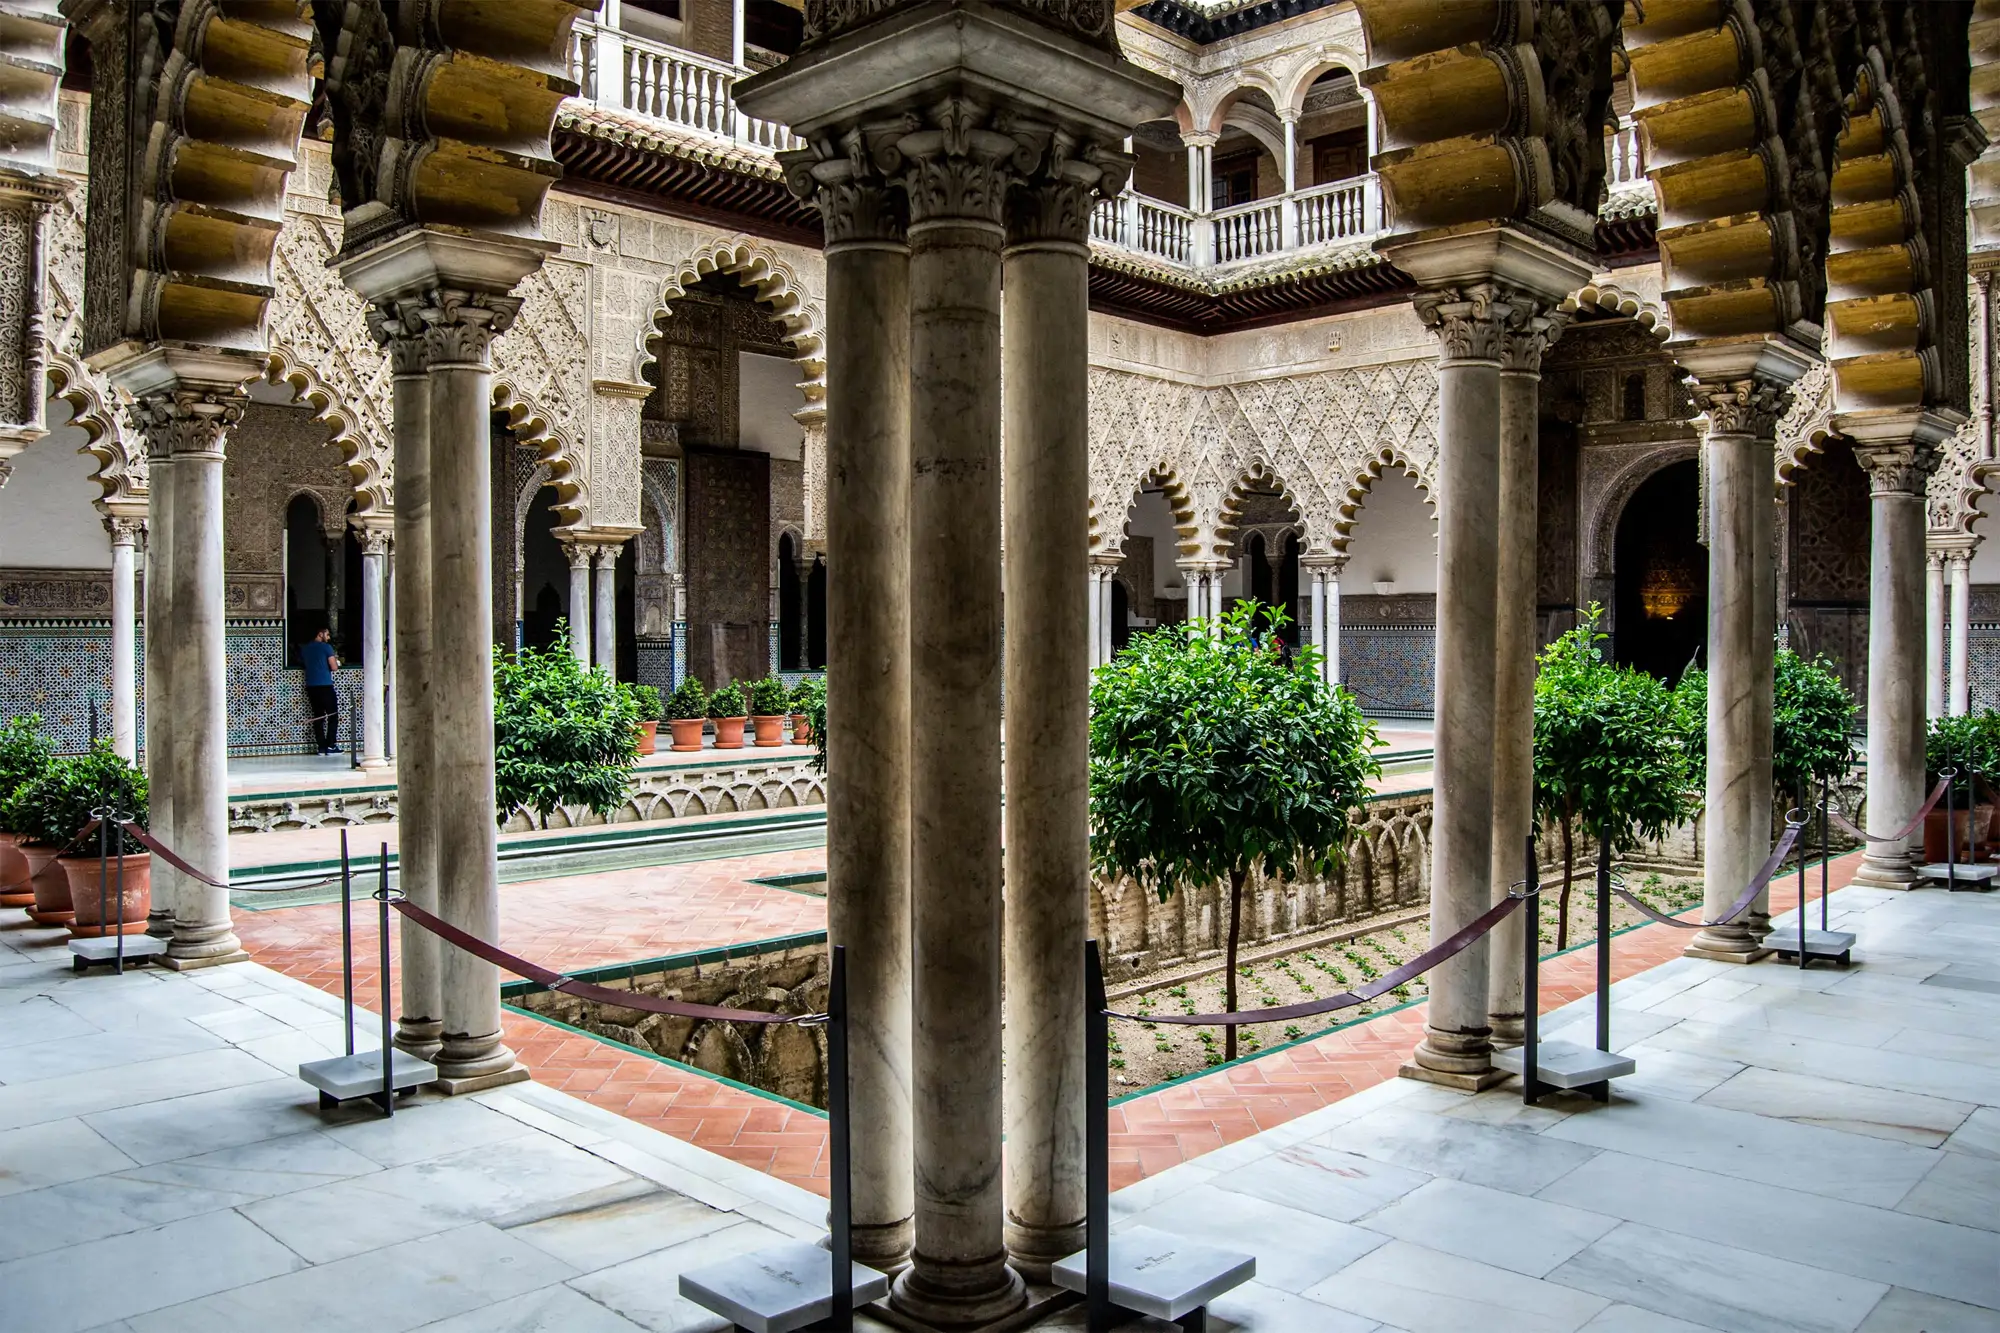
(839, 1142)
(1950, 776)
(1097, 1143)
(103, 816)
(1802, 887)
(347, 941)
(388, 1049)
(1531, 977)
(354, 734)
(118, 964)
(1603, 947)
(1825, 851)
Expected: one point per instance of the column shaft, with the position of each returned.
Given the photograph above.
(124, 556)
(1316, 635)
(472, 1055)
(1331, 639)
(1513, 683)
(1934, 678)
(868, 716)
(604, 619)
(1457, 1047)
(579, 601)
(374, 641)
(959, 1273)
(1046, 294)
(1961, 634)
(160, 679)
(420, 1025)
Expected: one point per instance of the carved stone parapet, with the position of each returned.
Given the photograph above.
(1750, 406)
(1898, 469)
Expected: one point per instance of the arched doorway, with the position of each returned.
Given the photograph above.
(1121, 616)
(816, 617)
(791, 607)
(544, 575)
(1660, 571)
(322, 581)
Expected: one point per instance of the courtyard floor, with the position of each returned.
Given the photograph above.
(1798, 1151)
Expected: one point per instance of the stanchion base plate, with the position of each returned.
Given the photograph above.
(1160, 1274)
(1829, 944)
(1566, 1065)
(345, 1077)
(778, 1289)
(1979, 874)
(104, 949)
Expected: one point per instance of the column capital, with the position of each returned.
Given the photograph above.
(460, 325)
(858, 201)
(1536, 326)
(578, 555)
(607, 556)
(1934, 559)
(187, 423)
(1960, 561)
(397, 326)
(1749, 406)
(125, 529)
(1491, 320)
(1198, 139)
(1898, 469)
(1054, 203)
(957, 163)
(1331, 563)
(374, 541)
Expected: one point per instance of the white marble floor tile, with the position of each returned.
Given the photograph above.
(36, 1019)
(1315, 1178)
(549, 1310)
(611, 1233)
(263, 1169)
(1632, 1319)
(1425, 1291)
(1751, 1147)
(426, 1128)
(384, 1291)
(102, 1050)
(646, 1290)
(1949, 1079)
(61, 1216)
(1508, 1159)
(206, 1122)
(1775, 1010)
(1964, 1047)
(1256, 1308)
(37, 1156)
(129, 1085)
(1674, 1074)
(1875, 1244)
(1510, 1231)
(1901, 1117)
(1961, 1188)
(1979, 1134)
(1913, 1312)
(1294, 1249)
(158, 1267)
(241, 1024)
(1718, 1285)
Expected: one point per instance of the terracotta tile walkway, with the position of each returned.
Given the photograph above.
(587, 920)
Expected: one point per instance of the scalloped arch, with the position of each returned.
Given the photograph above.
(1180, 503)
(1612, 299)
(1364, 481)
(1262, 475)
(554, 448)
(370, 462)
(93, 409)
(778, 288)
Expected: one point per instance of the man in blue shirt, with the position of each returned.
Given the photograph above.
(319, 661)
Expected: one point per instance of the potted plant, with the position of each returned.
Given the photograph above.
(806, 694)
(48, 903)
(725, 706)
(1210, 759)
(1812, 726)
(687, 713)
(768, 701)
(647, 700)
(1962, 745)
(100, 779)
(562, 735)
(25, 754)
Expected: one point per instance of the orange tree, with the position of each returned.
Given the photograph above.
(1210, 757)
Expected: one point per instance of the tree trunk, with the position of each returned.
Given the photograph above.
(1236, 878)
(1569, 873)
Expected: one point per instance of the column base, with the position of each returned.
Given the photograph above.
(452, 1085)
(884, 1247)
(174, 963)
(1445, 1078)
(421, 1037)
(1034, 1250)
(1042, 1302)
(969, 1296)
(160, 925)
(1462, 1060)
(374, 765)
(1508, 1029)
(1887, 872)
(1726, 951)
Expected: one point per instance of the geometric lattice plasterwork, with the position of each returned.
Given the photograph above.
(541, 377)
(1318, 438)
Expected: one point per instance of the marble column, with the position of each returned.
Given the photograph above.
(868, 679)
(956, 179)
(195, 422)
(374, 644)
(389, 654)
(159, 677)
(420, 1022)
(579, 600)
(1743, 406)
(124, 560)
(1899, 461)
(604, 611)
(1046, 318)
(1528, 336)
(1325, 572)
(1315, 635)
(1960, 565)
(1457, 1047)
(1934, 679)
(460, 328)
(1090, 598)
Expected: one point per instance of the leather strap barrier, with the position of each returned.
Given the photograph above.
(584, 990)
(1383, 984)
(1741, 905)
(1937, 794)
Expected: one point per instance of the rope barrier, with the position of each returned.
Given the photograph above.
(1742, 904)
(1937, 794)
(1383, 984)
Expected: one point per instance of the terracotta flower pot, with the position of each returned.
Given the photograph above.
(687, 732)
(1963, 822)
(770, 729)
(14, 874)
(802, 729)
(649, 733)
(729, 732)
(51, 886)
(130, 909)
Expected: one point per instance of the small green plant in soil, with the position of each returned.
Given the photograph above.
(727, 702)
(562, 734)
(688, 701)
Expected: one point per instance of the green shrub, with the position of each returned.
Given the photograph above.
(768, 697)
(1812, 724)
(806, 691)
(727, 701)
(689, 700)
(809, 697)
(53, 808)
(25, 754)
(646, 700)
(562, 735)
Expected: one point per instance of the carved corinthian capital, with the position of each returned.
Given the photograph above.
(1749, 406)
(1534, 328)
(1054, 203)
(460, 326)
(1898, 469)
(182, 423)
(1471, 321)
(851, 185)
(957, 165)
(398, 328)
